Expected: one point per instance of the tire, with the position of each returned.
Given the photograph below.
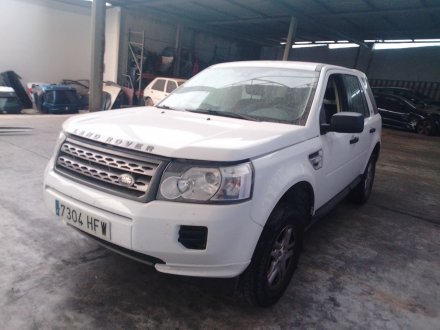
(425, 127)
(275, 257)
(148, 101)
(362, 192)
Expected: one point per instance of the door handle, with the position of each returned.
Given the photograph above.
(354, 139)
(372, 130)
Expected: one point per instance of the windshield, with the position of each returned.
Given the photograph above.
(251, 93)
(61, 97)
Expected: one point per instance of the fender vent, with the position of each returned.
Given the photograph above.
(193, 237)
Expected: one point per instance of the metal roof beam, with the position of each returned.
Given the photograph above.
(285, 18)
(378, 12)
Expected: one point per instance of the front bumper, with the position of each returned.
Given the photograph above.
(153, 228)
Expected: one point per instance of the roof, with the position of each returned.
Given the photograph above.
(267, 22)
(299, 65)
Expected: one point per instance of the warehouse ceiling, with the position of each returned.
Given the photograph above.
(266, 22)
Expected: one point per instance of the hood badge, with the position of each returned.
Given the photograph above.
(126, 180)
(114, 141)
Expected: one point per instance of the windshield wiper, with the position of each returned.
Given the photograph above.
(223, 114)
(164, 107)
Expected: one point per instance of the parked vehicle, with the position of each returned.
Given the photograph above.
(415, 97)
(31, 88)
(56, 99)
(113, 96)
(82, 90)
(222, 177)
(399, 112)
(12, 79)
(9, 102)
(159, 88)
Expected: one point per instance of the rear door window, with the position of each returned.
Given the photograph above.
(171, 85)
(159, 85)
(391, 103)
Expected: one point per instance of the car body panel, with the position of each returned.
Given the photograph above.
(281, 156)
(9, 102)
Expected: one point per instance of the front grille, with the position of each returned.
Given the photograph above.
(102, 168)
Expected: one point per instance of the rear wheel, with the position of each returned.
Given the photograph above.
(425, 127)
(275, 258)
(363, 190)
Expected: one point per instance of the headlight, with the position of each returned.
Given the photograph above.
(183, 182)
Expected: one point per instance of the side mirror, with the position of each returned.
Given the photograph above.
(345, 122)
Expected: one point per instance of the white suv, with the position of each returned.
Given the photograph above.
(223, 176)
(159, 88)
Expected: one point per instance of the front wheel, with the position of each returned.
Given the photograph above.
(425, 127)
(148, 101)
(275, 258)
(362, 192)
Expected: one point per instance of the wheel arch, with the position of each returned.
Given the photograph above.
(376, 151)
(300, 192)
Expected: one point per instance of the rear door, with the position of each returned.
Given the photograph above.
(157, 91)
(171, 85)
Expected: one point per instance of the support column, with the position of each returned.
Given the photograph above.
(178, 48)
(290, 38)
(97, 60)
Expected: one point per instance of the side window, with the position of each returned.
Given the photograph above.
(333, 101)
(355, 96)
(393, 104)
(49, 97)
(159, 85)
(171, 85)
(381, 102)
(370, 95)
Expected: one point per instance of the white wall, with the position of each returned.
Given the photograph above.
(44, 41)
(112, 36)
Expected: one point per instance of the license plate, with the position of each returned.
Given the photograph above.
(84, 221)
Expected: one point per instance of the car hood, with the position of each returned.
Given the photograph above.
(180, 134)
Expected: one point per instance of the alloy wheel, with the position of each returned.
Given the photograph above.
(281, 257)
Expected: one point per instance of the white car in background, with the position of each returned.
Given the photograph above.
(159, 88)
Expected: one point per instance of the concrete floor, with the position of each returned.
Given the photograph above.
(371, 267)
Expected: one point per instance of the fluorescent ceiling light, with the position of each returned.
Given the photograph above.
(342, 41)
(308, 46)
(302, 42)
(426, 40)
(349, 45)
(283, 43)
(325, 42)
(379, 46)
(399, 40)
